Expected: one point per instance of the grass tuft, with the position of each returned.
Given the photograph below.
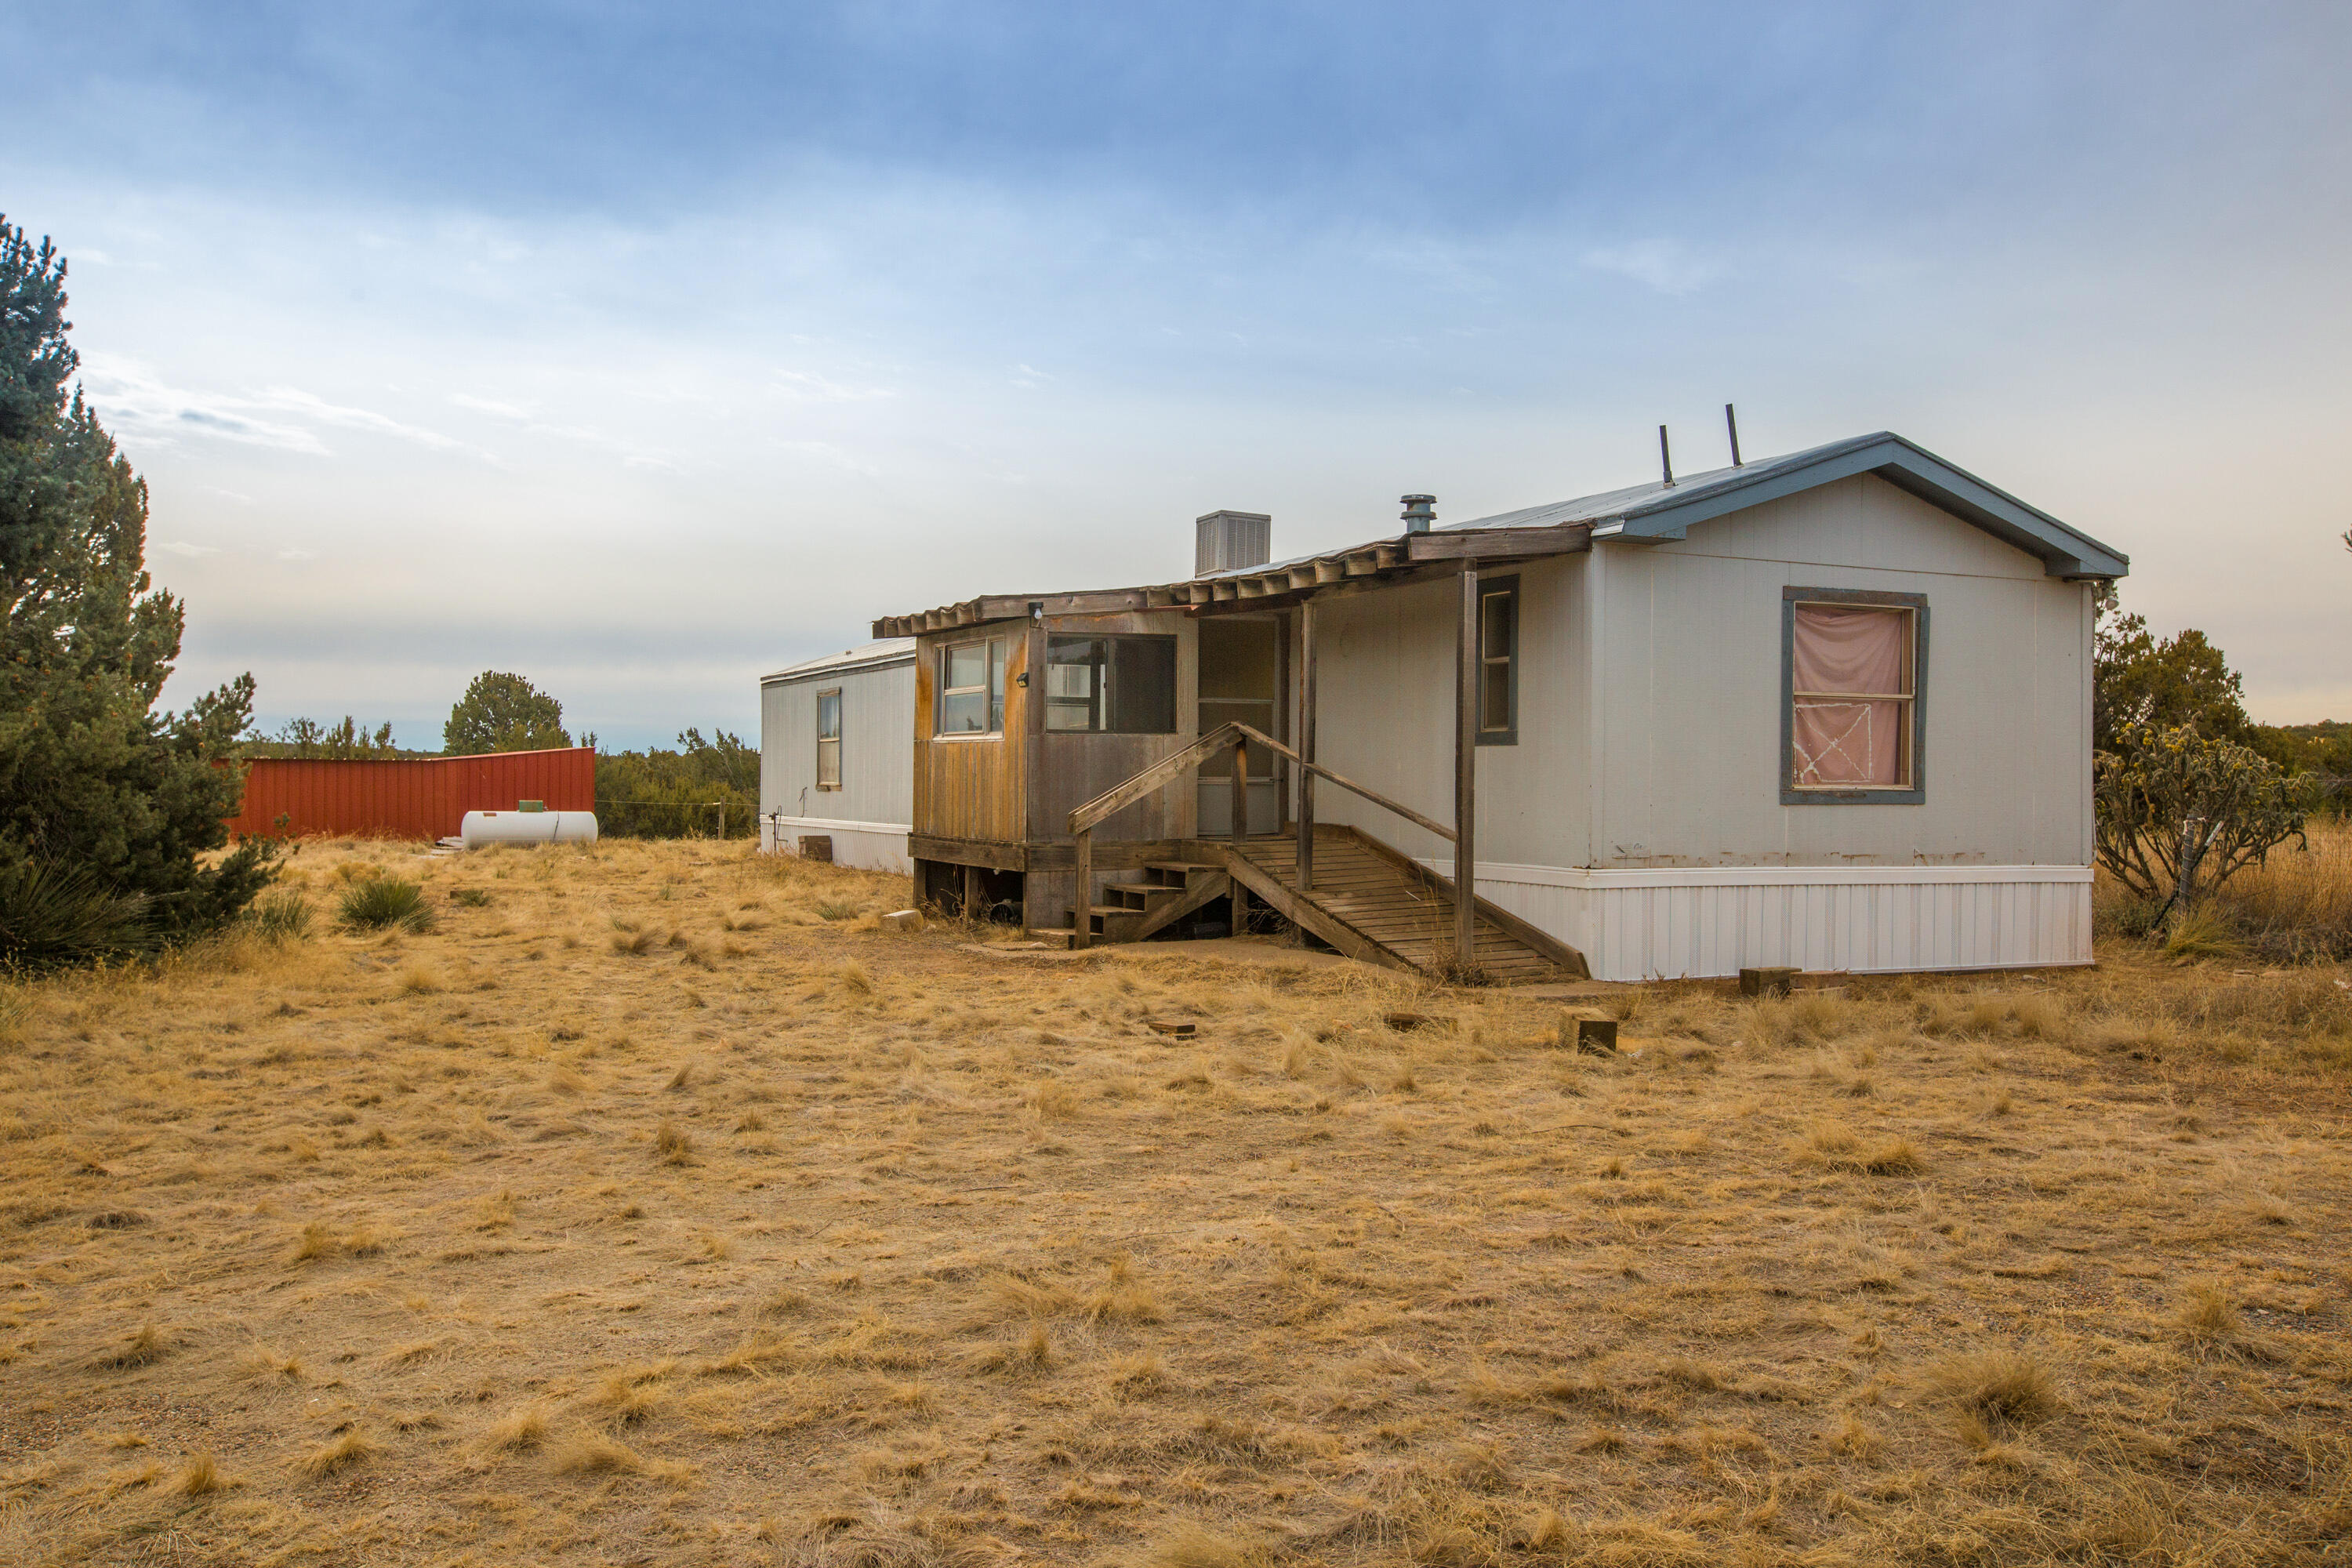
(2004, 1384)
(385, 903)
(337, 1454)
(201, 1477)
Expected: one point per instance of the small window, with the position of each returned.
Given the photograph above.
(1852, 723)
(1116, 685)
(971, 688)
(1498, 662)
(828, 739)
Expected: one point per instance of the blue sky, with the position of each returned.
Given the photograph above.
(643, 348)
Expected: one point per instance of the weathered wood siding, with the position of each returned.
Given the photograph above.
(1074, 768)
(971, 786)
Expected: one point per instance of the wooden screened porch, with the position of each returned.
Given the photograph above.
(1103, 766)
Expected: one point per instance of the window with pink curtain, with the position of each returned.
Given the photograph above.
(1849, 697)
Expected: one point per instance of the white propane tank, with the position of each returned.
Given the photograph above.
(482, 827)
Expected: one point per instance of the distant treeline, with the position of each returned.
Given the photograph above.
(705, 789)
(306, 739)
(2323, 750)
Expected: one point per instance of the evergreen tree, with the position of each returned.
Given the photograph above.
(2144, 685)
(95, 782)
(503, 714)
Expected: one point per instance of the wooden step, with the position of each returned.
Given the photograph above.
(1144, 897)
(1374, 903)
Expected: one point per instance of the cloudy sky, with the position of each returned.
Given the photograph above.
(644, 348)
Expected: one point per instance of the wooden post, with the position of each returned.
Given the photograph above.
(971, 891)
(1465, 777)
(1241, 792)
(1306, 744)
(1082, 919)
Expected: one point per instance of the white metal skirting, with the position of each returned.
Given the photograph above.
(869, 846)
(1676, 922)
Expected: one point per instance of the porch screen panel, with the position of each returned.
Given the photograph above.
(1141, 698)
(1851, 696)
(1121, 685)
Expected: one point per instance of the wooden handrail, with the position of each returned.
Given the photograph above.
(1091, 814)
(1085, 818)
(1320, 771)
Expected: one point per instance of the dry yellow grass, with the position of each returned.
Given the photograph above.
(775, 1237)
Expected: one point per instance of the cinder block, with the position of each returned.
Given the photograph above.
(1591, 1032)
(1772, 981)
(903, 919)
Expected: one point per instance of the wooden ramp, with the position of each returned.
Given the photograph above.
(1373, 903)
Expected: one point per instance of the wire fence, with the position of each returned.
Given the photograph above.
(625, 818)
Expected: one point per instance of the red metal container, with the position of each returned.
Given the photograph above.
(426, 798)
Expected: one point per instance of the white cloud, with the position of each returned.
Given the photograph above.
(294, 400)
(138, 402)
(181, 547)
(514, 411)
(297, 555)
(1665, 264)
(808, 386)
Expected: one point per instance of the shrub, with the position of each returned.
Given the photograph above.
(380, 903)
(2178, 812)
(51, 916)
(283, 915)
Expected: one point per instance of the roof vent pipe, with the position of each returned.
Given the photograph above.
(1420, 511)
(1665, 458)
(1225, 541)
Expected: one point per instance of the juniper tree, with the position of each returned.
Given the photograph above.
(96, 783)
(503, 712)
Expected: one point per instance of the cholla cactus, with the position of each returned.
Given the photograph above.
(2178, 813)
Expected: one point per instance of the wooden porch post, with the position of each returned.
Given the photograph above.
(1465, 776)
(1241, 792)
(1306, 744)
(1082, 919)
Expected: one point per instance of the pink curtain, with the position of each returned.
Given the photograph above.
(1835, 649)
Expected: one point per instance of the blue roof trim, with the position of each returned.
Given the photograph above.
(2065, 552)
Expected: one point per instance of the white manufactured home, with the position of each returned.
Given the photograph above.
(837, 757)
(1830, 710)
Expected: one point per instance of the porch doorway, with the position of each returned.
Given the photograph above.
(1241, 682)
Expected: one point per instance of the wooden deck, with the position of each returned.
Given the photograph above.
(1372, 903)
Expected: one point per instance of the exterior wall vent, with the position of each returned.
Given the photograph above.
(1420, 511)
(1223, 541)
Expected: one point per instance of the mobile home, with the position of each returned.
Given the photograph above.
(836, 759)
(1830, 710)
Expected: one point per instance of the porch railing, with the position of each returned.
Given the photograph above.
(1238, 739)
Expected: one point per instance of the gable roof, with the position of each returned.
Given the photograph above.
(1652, 511)
(1659, 510)
(865, 655)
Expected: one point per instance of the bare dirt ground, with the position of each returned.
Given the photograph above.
(658, 1209)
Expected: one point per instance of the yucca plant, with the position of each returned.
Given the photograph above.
(51, 916)
(381, 903)
(283, 915)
